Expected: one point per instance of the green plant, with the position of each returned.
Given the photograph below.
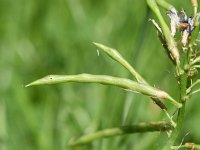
(181, 47)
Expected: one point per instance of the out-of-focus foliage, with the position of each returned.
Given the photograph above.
(40, 37)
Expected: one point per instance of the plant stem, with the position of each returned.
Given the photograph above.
(196, 60)
(194, 84)
(137, 128)
(194, 92)
(179, 66)
(176, 131)
(164, 4)
(115, 55)
(181, 112)
(196, 66)
(171, 44)
(195, 5)
(191, 146)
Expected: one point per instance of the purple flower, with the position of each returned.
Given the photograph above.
(181, 22)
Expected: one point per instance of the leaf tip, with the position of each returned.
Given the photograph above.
(96, 44)
(30, 84)
(27, 85)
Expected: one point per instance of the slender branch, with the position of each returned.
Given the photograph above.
(194, 84)
(170, 118)
(196, 60)
(137, 128)
(179, 66)
(196, 66)
(196, 91)
(195, 32)
(163, 40)
(191, 146)
(169, 39)
(107, 80)
(114, 54)
(181, 111)
(168, 42)
(164, 4)
(176, 131)
(195, 6)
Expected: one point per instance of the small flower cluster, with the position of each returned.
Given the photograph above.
(179, 22)
(183, 23)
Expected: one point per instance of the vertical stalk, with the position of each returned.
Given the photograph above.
(171, 44)
(195, 6)
(164, 4)
(181, 111)
(181, 72)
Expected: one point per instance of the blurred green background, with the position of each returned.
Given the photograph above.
(41, 37)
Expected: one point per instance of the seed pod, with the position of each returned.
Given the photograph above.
(107, 80)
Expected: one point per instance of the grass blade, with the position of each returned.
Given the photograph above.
(137, 128)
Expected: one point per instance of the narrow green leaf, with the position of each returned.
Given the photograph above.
(137, 128)
(107, 80)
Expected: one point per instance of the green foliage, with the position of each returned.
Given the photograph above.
(40, 37)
